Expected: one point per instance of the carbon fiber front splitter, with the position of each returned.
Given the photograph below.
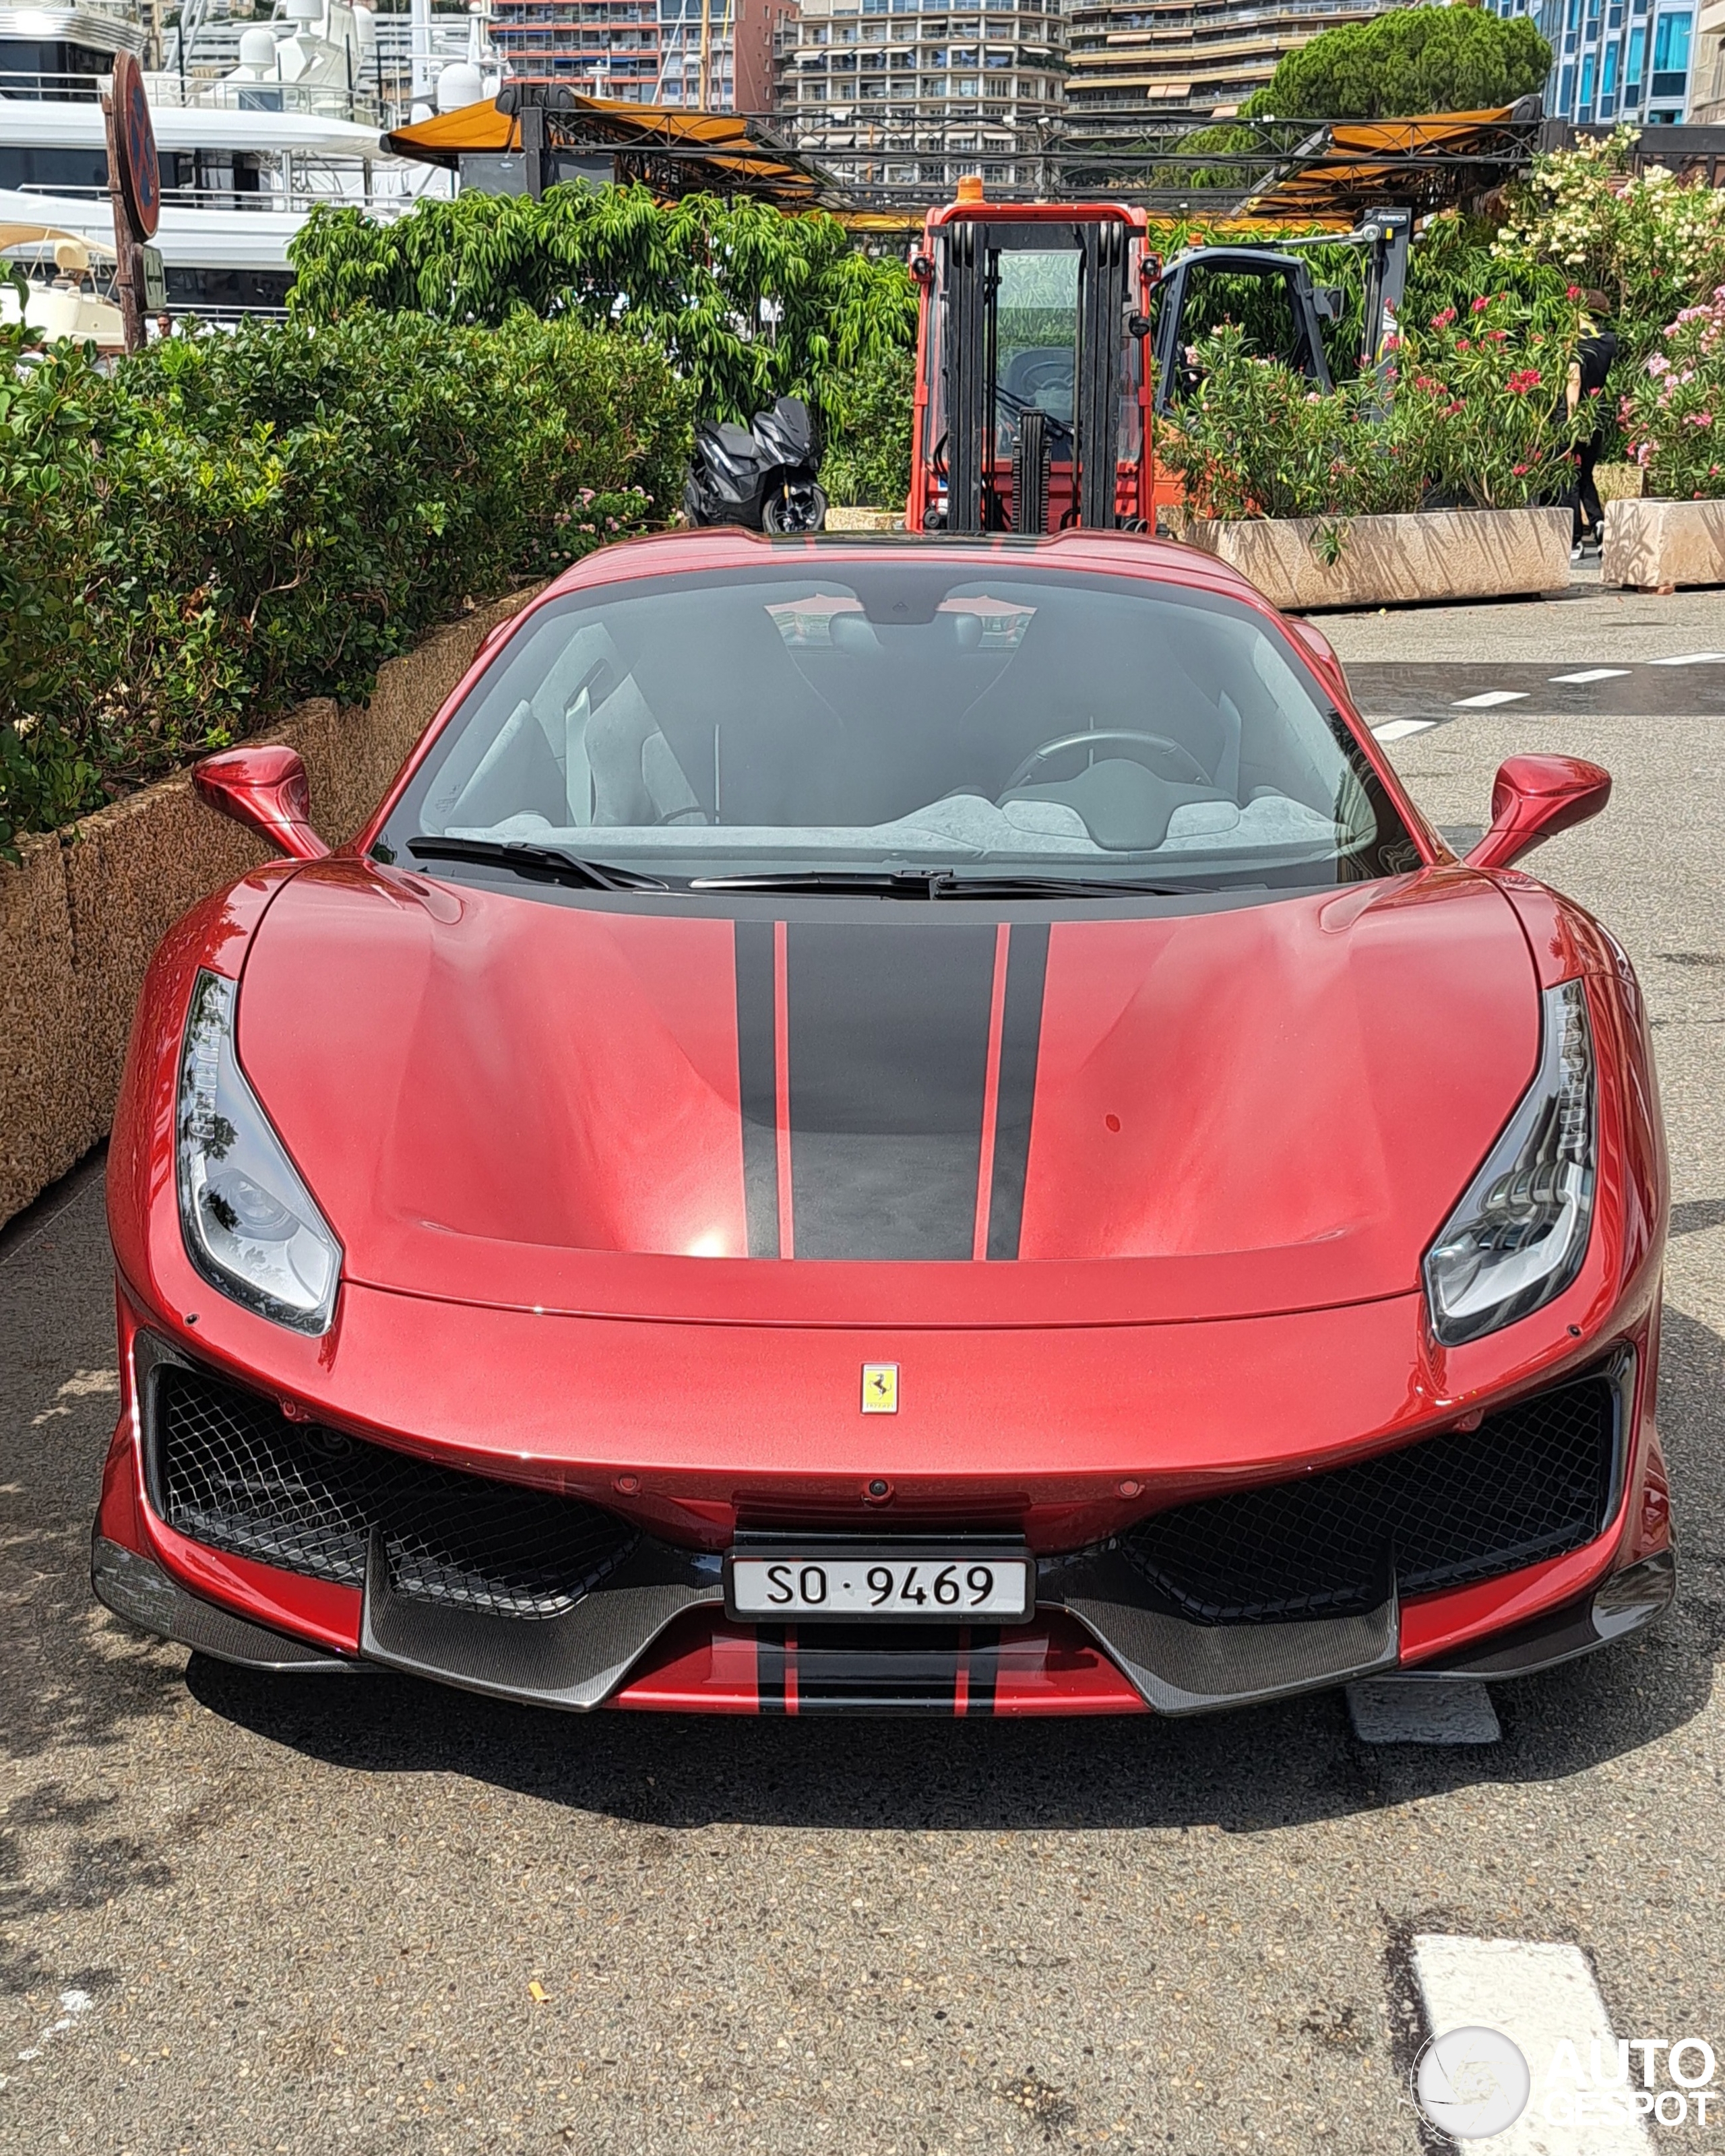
(583, 1658)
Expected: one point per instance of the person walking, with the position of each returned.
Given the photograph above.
(1594, 356)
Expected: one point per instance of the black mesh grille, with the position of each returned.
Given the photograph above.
(234, 1472)
(1528, 1484)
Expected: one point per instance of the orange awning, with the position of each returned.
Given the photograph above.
(674, 150)
(1428, 163)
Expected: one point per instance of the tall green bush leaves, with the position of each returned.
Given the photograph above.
(227, 524)
(749, 304)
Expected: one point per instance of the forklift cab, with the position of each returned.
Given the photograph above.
(1034, 395)
(1270, 293)
(1032, 390)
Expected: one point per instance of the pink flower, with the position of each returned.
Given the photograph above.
(1495, 336)
(1481, 306)
(1442, 321)
(1574, 292)
(1521, 471)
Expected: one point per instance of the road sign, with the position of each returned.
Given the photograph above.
(138, 174)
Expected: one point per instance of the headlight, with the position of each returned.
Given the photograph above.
(1518, 1237)
(251, 1228)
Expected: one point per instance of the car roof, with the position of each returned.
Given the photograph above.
(722, 546)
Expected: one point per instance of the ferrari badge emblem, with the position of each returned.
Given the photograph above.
(880, 1394)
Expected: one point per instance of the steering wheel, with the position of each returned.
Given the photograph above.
(1062, 743)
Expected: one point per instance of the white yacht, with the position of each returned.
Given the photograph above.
(257, 117)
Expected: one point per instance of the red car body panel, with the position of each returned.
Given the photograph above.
(523, 1120)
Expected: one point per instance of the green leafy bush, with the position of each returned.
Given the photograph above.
(1674, 413)
(1476, 418)
(868, 451)
(1406, 62)
(749, 303)
(225, 525)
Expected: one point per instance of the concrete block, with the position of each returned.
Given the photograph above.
(1655, 544)
(1386, 561)
(81, 917)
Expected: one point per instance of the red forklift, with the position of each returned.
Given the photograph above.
(1051, 337)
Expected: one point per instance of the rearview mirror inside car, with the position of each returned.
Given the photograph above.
(265, 789)
(1533, 798)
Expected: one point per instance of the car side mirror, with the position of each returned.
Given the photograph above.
(1533, 798)
(264, 789)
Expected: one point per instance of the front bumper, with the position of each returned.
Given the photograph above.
(389, 1561)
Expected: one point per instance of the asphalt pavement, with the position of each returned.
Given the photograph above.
(240, 1914)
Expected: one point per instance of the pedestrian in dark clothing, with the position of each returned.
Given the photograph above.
(1593, 361)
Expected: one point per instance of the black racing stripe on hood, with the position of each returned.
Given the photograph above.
(756, 1085)
(888, 1031)
(1021, 1029)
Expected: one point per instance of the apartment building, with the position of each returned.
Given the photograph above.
(599, 48)
(1135, 60)
(1615, 59)
(920, 92)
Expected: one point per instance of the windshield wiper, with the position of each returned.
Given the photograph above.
(1061, 886)
(543, 863)
(943, 883)
(864, 883)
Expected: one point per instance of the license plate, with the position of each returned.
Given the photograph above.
(934, 1586)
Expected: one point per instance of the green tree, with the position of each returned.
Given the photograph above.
(1408, 61)
(748, 302)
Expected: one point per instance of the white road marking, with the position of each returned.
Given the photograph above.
(1416, 1710)
(1592, 673)
(1691, 659)
(1399, 729)
(1487, 698)
(1544, 1997)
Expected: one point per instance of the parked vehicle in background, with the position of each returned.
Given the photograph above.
(761, 476)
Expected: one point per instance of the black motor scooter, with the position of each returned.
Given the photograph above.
(761, 476)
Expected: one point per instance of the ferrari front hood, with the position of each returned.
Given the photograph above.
(875, 1112)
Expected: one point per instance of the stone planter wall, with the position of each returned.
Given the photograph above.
(1656, 545)
(1387, 561)
(82, 913)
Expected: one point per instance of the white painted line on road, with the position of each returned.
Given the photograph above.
(1416, 1710)
(1487, 698)
(1399, 729)
(1545, 1998)
(1693, 659)
(1592, 673)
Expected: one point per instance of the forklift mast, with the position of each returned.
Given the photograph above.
(1032, 393)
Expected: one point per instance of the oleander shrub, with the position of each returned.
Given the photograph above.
(1475, 419)
(1673, 413)
(224, 525)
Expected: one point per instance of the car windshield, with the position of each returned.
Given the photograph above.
(905, 717)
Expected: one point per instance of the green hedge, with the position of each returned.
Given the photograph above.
(749, 303)
(225, 525)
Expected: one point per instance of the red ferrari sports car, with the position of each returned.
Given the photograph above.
(891, 1127)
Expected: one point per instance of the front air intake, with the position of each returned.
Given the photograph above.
(1532, 1481)
(229, 1470)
